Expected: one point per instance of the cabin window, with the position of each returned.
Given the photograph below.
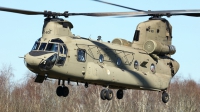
(119, 61)
(136, 36)
(136, 65)
(101, 58)
(81, 55)
(42, 46)
(153, 68)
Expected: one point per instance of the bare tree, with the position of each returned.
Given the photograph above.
(5, 87)
(34, 97)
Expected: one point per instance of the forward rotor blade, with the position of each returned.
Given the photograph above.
(132, 16)
(193, 13)
(99, 14)
(118, 5)
(20, 11)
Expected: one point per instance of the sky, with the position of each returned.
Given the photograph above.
(19, 32)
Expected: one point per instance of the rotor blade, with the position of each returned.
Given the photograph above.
(132, 16)
(118, 5)
(194, 13)
(20, 11)
(99, 14)
(186, 14)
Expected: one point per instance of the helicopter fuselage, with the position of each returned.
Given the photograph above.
(101, 63)
(59, 54)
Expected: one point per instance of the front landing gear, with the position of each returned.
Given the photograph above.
(106, 94)
(62, 90)
(165, 97)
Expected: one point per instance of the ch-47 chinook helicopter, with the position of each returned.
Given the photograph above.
(143, 64)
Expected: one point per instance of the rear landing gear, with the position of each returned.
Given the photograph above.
(109, 94)
(165, 97)
(103, 94)
(106, 94)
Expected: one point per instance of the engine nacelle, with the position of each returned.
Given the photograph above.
(120, 41)
(155, 47)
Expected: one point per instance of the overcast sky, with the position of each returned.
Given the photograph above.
(19, 32)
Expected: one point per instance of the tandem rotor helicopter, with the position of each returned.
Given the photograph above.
(145, 63)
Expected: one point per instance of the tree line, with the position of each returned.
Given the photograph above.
(29, 96)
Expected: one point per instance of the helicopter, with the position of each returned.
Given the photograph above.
(144, 64)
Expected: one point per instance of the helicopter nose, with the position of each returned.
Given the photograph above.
(37, 61)
(32, 62)
(175, 66)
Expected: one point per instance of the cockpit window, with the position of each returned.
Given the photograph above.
(61, 49)
(65, 49)
(52, 47)
(57, 40)
(62, 55)
(42, 46)
(35, 46)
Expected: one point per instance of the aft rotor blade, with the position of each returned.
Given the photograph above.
(194, 13)
(19, 11)
(118, 5)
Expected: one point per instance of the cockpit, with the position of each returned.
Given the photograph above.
(54, 45)
(55, 50)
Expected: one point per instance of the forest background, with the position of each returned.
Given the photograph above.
(29, 96)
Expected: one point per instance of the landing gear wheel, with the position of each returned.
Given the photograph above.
(86, 85)
(59, 91)
(109, 94)
(103, 94)
(65, 91)
(120, 94)
(165, 97)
